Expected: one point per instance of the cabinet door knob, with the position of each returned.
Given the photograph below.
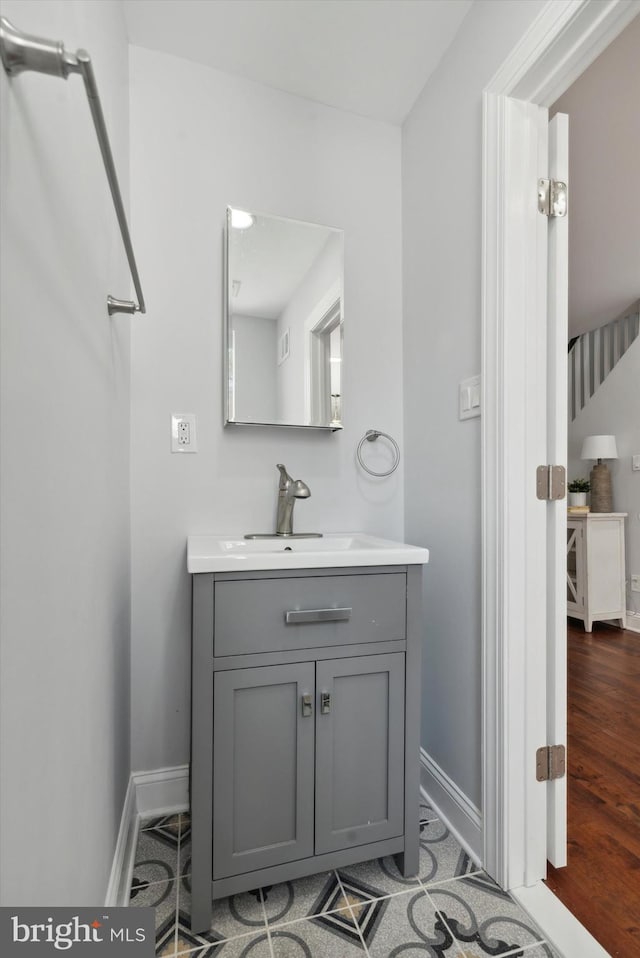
(325, 703)
(307, 704)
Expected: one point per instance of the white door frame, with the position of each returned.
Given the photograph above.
(563, 40)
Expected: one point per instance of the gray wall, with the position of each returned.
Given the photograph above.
(256, 351)
(64, 470)
(229, 141)
(441, 171)
(324, 273)
(604, 148)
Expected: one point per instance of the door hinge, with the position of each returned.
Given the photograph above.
(550, 763)
(551, 482)
(552, 197)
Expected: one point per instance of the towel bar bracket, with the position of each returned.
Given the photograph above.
(122, 306)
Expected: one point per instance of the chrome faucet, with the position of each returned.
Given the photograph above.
(288, 491)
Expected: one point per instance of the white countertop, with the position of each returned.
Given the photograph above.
(220, 553)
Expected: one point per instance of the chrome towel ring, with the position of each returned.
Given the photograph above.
(370, 436)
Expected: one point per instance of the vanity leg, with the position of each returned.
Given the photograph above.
(201, 911)
(407, 862)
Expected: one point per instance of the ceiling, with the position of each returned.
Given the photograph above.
(370, 57)
(269, 260)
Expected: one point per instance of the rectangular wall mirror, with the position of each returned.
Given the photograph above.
(284, 322)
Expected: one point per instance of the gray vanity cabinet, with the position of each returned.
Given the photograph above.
(359, 751)
(269, 723)
(263, 743)
(305, 725)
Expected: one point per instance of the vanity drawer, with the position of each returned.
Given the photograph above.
(277, 615)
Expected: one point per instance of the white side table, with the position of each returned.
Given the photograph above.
(596, 567)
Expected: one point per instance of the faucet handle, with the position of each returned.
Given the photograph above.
(284, 475)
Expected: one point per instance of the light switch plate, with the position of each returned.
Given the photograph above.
(469, 398)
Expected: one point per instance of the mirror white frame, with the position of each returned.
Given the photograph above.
(283, 323)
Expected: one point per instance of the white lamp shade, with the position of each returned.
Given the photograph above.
(599, 447)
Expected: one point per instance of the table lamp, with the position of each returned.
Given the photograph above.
(600, 447)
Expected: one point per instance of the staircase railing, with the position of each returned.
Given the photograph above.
(594, 354)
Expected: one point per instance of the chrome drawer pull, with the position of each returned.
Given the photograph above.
(307, 706)
(325, 702)
(300, 616)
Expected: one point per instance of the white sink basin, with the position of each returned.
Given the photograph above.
(234, 553)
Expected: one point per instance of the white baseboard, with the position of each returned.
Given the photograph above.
(120, 878)
(162, 791)
(457, 811)
(633, 621)
(557, 924)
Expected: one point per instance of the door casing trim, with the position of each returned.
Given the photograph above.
(562, 41)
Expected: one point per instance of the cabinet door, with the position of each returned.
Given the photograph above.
(263, 739)
(359, 750)
(605, 577)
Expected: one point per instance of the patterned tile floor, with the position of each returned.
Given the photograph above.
(451, 909)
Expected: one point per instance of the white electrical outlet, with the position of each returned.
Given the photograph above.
(183, 433)
(635, 583)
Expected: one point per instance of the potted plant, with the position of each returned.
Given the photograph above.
(578, 489)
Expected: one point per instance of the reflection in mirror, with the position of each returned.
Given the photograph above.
(284, 322)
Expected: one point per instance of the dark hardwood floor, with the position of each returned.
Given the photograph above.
(601, 883)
